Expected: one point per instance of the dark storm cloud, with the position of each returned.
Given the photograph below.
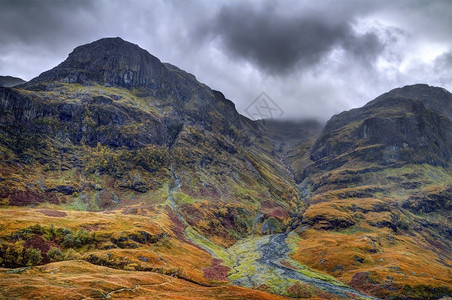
(280, 41)
(37, 35)
(365, 48)
(38, 22)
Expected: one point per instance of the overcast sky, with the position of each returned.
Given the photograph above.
(313, 58)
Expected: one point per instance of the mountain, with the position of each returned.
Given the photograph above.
(116, 165)
(382, 173)
(10, 81)
(127, 122)
(408, 125)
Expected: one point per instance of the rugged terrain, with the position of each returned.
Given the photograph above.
(115, 165)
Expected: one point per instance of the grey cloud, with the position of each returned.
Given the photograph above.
(37, 35)
(444, 62)
(365, 48)
(38, 22)
(442, 66)
(425, 19)
(279, 42)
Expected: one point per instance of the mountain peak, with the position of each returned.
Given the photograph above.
(437, 99)
(112, 46)
(108, 61)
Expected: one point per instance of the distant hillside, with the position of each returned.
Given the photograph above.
(9, 81)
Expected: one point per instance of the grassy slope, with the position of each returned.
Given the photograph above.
(367, 230)
(132, 272)
(81, 280)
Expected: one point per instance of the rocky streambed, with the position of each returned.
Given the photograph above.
(264, 262)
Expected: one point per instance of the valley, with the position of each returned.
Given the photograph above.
(124, 177)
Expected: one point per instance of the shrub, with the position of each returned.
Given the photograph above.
(55, 254)
(13, 255)
(82, 237)
(271, 225)
(67, 231)
(68, 239)
(36, 229)
(32, 256)
(51, 233)
(151, 157)
(71, 254)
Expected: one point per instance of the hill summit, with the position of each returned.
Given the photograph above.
(10, 81)
(111, 62)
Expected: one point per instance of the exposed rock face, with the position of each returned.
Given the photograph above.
(437, 99)
(407, 125)
(9, 81)
(111, 62)
(430, 201)
(107, 119)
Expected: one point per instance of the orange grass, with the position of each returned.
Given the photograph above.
(81, 280)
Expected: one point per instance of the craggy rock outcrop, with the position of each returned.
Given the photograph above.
(407, 125)
(98, 119)
(111, 62)
(430, 201)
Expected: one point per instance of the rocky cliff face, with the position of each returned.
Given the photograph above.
(407, 125)
(92, 119)
(111, 62)
(436, 99)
